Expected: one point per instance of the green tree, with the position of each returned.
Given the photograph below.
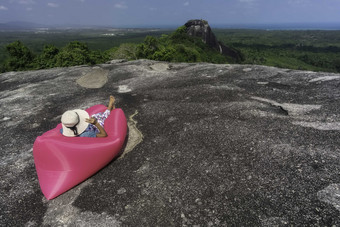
(165, 53)
(97, 57)
(125, 51)
(336, 63)
(2, 68)
(47, 59)
(178, 47)
(187, 54)
(20, 57)
(148, 47)
(75, 53)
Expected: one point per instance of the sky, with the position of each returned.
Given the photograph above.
(168, 12)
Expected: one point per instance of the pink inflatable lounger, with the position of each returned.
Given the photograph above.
(63, 162)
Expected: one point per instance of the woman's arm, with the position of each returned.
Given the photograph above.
(102, 132)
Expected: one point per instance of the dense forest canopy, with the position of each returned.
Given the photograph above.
(305, 50)
(176, 47)
(315, 50)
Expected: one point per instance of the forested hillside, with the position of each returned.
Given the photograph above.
(295, 49)
(176, 47)
(304, 50)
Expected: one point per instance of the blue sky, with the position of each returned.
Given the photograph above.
(168, 12)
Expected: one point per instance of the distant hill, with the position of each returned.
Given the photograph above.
(19, 25)
(22, 25)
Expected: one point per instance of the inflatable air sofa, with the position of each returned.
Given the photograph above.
(63, 162)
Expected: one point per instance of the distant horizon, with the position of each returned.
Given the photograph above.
(261, 26)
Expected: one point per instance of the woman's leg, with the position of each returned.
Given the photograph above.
(101, 117)
(111, 105)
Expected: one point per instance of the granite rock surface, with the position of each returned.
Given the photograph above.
(208, 145)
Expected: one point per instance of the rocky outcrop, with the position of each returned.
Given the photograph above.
(208, 145)
(201, 29)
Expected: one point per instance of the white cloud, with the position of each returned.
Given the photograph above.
(298, 2)
(247, 1)
(3, 8)
(26, 2)
(186, 3)
(29, 9)
(121, 5)
(53, 5)
(152, 9)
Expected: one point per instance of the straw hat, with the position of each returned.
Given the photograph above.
(73, 122)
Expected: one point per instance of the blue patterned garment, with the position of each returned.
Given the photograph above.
(101, 117)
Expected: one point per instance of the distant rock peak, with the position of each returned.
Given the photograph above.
(201, 28)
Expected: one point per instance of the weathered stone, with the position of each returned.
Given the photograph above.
(210, 145)
(331, 195)
(96, 78)
(201, 28)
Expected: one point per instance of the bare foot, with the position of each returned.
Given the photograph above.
(111, 105)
